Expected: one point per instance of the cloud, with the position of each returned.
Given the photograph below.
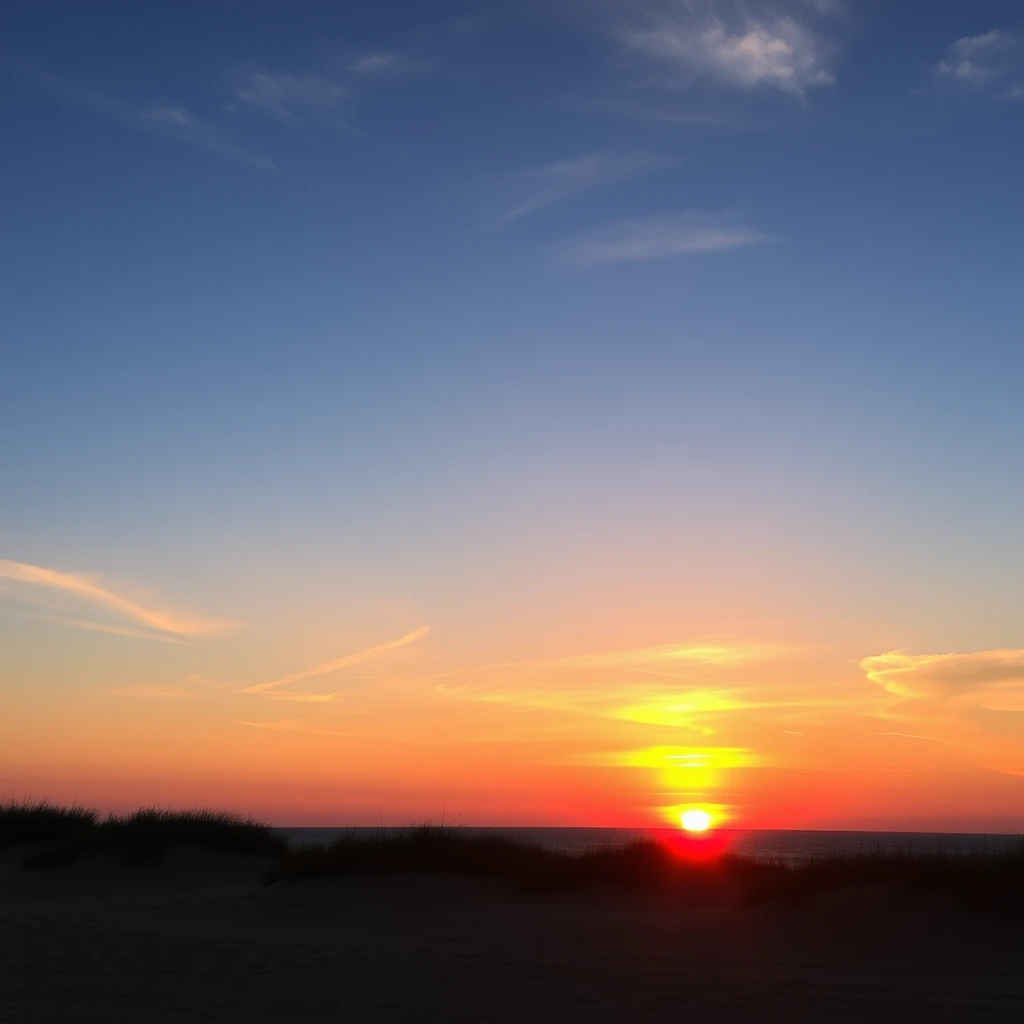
(564, 179)
(386, 64)
(31, 580)
(286, 95)
(746, 46)
(114, 630)
(648, 238)
(343, 662)
(300, 697)
(678, 685)
(174, 122)
(984, 678)
(179, 116)
(971, 703)
(974, 60)
(152, 692)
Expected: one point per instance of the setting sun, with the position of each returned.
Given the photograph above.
(696, 820)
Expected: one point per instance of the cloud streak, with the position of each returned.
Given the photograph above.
(30, 580)
(286, 96)
(343, 662)
(380, 64)
(115, 630)
(990, 679)
(174, 122)
(565, 179)
(678, 685)
(660, 237)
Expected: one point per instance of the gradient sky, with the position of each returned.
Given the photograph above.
(551, 413)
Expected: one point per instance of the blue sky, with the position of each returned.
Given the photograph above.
(709, 310)
(413, 232)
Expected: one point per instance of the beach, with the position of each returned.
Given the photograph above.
(198, 937)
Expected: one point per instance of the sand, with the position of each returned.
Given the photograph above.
(198, 939)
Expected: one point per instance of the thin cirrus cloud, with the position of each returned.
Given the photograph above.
(647, 238)
(677, 684)
(178, 116)
(970, 702)
(285, 96)
(34, 584)
(736, 44)
(338, 663)
(991, 679)
(151, 692)
(171, 121)
(386, 64)
(288, 95)
(538, 187)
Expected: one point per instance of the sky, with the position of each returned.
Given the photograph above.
(527, 413)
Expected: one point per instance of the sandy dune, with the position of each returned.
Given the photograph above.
(199, 940)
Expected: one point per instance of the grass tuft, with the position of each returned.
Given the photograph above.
(430, 849)
(40, 821)
(991, 882)
(147, 834)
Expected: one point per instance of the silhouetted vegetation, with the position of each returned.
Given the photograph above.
(643, 865)
(984, 882)
(147, 834)
(979, 881)
(39, 821)
(429, 849)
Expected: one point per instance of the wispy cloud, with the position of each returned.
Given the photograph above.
(969, 702)
(975, 59)
(115, 630)
(324, 92)
(150, 692)
(376, 64)
(178, 116)
(556, 182)
(32, 580)
(742, 45)
(174, 122)
(343, 662)
(301, 697)
(675, 684)
(648, 238)
(991, 679)
(285, 95)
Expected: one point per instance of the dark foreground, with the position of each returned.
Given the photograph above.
(197, 937)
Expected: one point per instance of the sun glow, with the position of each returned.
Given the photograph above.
(696, 820)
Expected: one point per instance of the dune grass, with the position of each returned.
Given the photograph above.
(643, 865)
(144, 835)
(428, 849)
(40, 821)
(991, 881)
(984, 882)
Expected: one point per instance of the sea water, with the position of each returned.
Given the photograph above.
(762, 845)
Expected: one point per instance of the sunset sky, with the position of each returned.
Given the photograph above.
(538, 413)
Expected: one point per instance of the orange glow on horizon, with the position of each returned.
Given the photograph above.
(343, 725)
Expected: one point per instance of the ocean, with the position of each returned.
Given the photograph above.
(765, 845)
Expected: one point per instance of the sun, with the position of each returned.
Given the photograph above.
(696, 820)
